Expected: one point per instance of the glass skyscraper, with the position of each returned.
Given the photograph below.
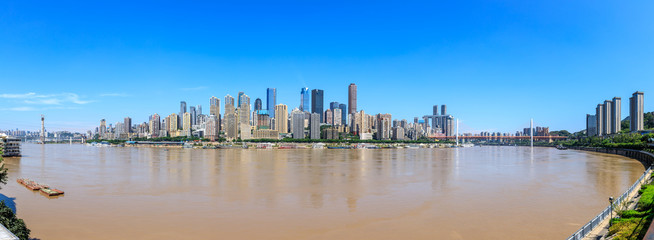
(271, 101)
(317, 103)
(343, 108)
(304, 100)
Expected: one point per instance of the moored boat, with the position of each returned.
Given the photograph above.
(51, 192)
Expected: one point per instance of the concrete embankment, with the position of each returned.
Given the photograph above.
(598, 227)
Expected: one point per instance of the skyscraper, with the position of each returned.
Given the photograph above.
(182, 110)
(128, 125)
(599, 119)
(198, 109)
(214, 106)
(212, 132)
(333, 105)
(636, 112)
(435, 110)
(607, 119)
(194, 115)
(317, 102)
(297, 117)
(155, 125)
(344, 113)
(329, 117)
(304, 100)
(229, 100)
(314, 125)
(443, 109)
(352, 98)
(281, 121)
(186, 131)
(271, 101)
(616, 113)
(257, 104)
(337, 115)
(239, 97)
(591, 125)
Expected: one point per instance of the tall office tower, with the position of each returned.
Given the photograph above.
(103, 128)
(271, 101)
(344, 113)
(238, 98)
(229, 100)
(599, 118)
(214, 109)
(337, 118)
(281, 121)
(616, 114)
(243, 100)
(606, 119)
(314, 126)
(128, 125)
(231, 124)
(435, 110)
(333, 105)
(297, 117)
(155, 125)
(352, 98)
(194, 115)
(329, 117)
(257, 104)
(383, 126)
(443, 109)
(244, 114)
(636, 112)
(591, 125)
(304, 100)
(317, 96)
(187, 125)
(211, 128)
(198, 108)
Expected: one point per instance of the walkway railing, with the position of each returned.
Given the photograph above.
(5, 234)
(644, 157)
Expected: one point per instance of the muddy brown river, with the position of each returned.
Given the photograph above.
(466, 193)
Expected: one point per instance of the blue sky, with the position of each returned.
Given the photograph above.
(494, 63)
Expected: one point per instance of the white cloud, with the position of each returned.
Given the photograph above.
(19, 109)
(46, 99)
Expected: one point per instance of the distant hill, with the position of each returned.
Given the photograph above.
(649, 121)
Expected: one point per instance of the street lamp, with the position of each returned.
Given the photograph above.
(611, 203)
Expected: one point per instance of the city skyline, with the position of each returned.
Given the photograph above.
(551, 66)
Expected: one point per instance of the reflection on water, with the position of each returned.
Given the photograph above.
(471, 193)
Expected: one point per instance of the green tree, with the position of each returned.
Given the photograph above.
(7, 216)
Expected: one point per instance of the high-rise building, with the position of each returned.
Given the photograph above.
(257, 104)
(383, 126)
(435, 110)
(281, 121)
(317, 96)
(591, 125)
(271, 101)
(636, 112)
(616, 114)
(182, 110)
(231, 125)
(229, 100)
(155, 125)
(304, 100)
(344, 113)
(599, 118)
(239, 98)
(297, 117)
(128, 125)
(337, 115)
(333, 105)
(314, 126)
(103, 128)
(212, 131)
(198, 109)
(329, 117)
(607, 119)
(186, 130)
(214, 106)
(194, 115)
(352, 98)
(443, 109)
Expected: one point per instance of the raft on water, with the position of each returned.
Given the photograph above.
(34, 186)
(51, 191)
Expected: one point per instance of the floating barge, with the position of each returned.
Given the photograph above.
(34, 186)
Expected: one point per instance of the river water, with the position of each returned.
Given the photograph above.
(468, 193)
